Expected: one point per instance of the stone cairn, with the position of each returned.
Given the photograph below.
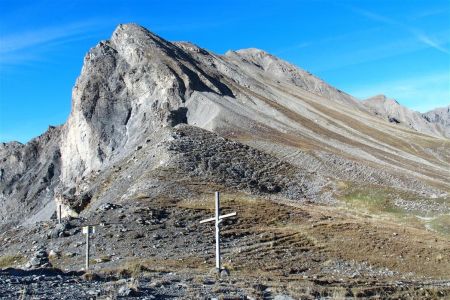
(39, 260)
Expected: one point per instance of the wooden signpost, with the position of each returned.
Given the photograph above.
(218, 219)
(88, 230)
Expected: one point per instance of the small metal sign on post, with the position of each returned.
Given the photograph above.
(88, 230)
(218, 219)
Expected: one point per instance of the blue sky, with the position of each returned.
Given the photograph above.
(400, 48)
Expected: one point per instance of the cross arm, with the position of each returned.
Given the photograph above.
(220, 218)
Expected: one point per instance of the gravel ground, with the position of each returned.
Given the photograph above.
(158, 248)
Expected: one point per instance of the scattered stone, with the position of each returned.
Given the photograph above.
(109, 206)
(60, 230)
(102, 259)
(283, 297)
(125, 291)
(224, 273)
(54, 253)
(209, 281)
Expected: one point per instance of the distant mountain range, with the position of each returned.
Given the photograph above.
(435, 122)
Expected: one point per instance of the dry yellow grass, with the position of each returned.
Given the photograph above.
(12, 260)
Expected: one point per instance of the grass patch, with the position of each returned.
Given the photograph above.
(380, 201)
(227, 200)
(372, 200)
(8, 261)
(441, 224)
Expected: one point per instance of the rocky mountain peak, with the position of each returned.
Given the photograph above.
(255, 55)
(382, 99)
(262, 59)
(133, 30)
(134, 34)
(441, 118)
(440, 113)
(433, 123)
(191, 47)
(136, 44)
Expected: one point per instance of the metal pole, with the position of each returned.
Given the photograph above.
(87, 249)
(59, 213)
(217, 232)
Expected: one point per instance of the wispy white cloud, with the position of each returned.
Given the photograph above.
(374, 16)
(377, 52)
(417, 33)
(431, 42)
(430, 13)
(414, 40)
(421, 93)
(326, 40)
(21, 40)
(22, 47)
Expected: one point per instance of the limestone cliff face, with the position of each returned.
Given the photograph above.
(129, 86)
(116, 100)
(134, 88)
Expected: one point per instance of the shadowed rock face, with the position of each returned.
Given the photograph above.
(441, 118)
(136, 86)
(29, 175)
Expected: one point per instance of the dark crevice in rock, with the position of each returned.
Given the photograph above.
(394, 120)
(127, 118)
(181, 84)
(178, 116)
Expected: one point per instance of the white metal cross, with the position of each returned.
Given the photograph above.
(218, 219)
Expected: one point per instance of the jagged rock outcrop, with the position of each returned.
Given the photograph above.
(136, 87)
(129, 86)
(441, 118)
(203, 154)
(435, 122)
(29, 175)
